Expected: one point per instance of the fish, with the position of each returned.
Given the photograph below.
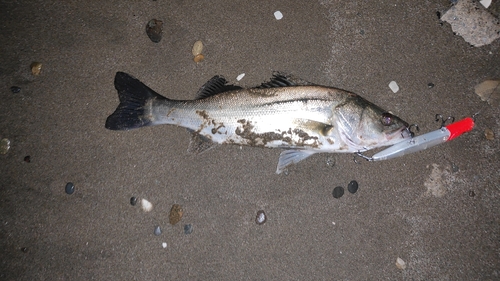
(286, 112)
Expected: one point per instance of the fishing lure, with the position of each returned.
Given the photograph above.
(419, 143)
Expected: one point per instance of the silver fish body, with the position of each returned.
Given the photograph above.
(283, 113)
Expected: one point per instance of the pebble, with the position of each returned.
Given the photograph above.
(24, 249)
(146, 205)
(15, 89)
(199, 58)
(4, 146)
(330, 161)
(164, 245)
(400, 263)
(197, 48)
(430, 85)
(240, 76)
(154, 30)
(27, 159)
(133, 201)
(261, 217)
(175, 214)
(352, 187)
(472, 193)
(338, 192)
(488, 133)
(157, 230)
(36, 68)
(394, 86)
(278, 15)
(70, 188)
(188, 229)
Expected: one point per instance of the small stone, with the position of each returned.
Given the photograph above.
(430, 85)
(240, 76)
(454, 168)
(199, 58)
(338, 192)
(27, 159)
(261, 217)
(154, 30)
(489, 91)
(394, 86)
(36, 68)
(164, 245)
(278, 15)
(400, 263)
(352, 187)
(70, 188)
(4, 146)
(15, 89)
(330, 161)
(472, 193)
(157, 230)
(146, 205)
(133, 201)
(188, 229)
(197, 48)
(488, 133)
(24, 249)
(175, 214)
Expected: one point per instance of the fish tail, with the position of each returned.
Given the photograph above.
(132, 112)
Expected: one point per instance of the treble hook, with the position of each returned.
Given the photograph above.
(359, 154)
(443, 121)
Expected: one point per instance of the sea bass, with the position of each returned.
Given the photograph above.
(285, 112)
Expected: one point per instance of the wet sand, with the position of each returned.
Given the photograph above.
(437, 210)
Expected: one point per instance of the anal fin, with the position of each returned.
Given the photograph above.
(289, 157)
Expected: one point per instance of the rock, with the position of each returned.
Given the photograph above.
(197, 48)
(146, 205)
(338, 192)
(175, 214)
(15, 89)
(133, 201)
(489, 91)
(278, 15)
(199, 58)
(352, 187)
(36, 68)
(400, 263)
(4, 146)
(188, 229)
(473, 22)
(70, 188)
(394, 86)
(488, 133)
(154, 30)
(261, 217)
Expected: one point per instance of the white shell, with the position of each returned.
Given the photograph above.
(485, 3)
(394, 86)
(164, 245)
(278, 15)
(400, 263)
(197, 48)
(146, 205)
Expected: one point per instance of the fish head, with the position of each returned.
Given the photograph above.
(364, 126)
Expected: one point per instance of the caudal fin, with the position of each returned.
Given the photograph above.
(134, 95)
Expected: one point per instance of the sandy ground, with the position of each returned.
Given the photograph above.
(419, 207)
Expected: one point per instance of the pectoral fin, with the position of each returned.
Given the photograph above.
(291, 156)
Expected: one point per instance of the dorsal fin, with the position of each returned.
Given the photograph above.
(214, 86)
(281, 79)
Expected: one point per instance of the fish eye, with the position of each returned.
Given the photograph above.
(386, 119)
